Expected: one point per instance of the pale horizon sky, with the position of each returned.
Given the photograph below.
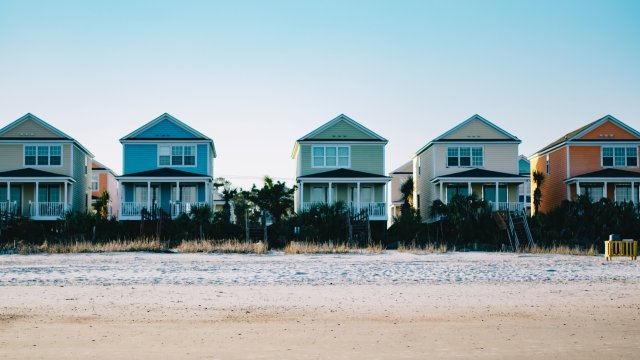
(257, 75)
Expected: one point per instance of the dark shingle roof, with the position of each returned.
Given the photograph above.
(568, 136)
(342, 173)
(30, 173)
(609, 173)
(165, 172)
(480, 173)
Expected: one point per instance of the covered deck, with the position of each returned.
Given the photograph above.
(614, 184)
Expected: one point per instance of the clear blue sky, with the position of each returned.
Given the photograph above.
(256, 75)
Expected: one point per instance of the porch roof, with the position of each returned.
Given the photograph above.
(480, 174)
(607, 175)
(32, 174)
(344, 174)
(164, 173)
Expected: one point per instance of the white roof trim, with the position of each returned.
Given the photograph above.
(348, 120)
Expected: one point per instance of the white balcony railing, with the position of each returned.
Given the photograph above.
(374, 209)
(47, 209)
(132, 208)
(179, 208)
(8, 208)
(507, 206)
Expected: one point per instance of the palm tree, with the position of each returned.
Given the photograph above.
(538, 180)
(102, 205)
(201, 215)
(407, 195)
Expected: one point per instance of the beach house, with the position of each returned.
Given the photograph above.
(475, 157)
(167, 169)
(342, 161)
(398, 177)
(44, 173)
(104, 179)
(598, 160)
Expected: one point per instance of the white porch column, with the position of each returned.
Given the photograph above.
(385, 193)
(633, 192)
(301, 196)
(8, 191)
(330, 192)
(206, 193)
(66, 196)
(577, 188)
(358, 195)
(569, 192)
(37, 212)
(441, 197)
(177, 191)
(469, 188)
(604, 191)
(524, 195)
(497, 191)
(148, 195)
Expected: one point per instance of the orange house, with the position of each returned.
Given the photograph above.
(103, 178)
(599, 160)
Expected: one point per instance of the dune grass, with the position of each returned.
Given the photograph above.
(222, 246)
(426, 249)
(301, 247)
(153, 245)
(563, 250)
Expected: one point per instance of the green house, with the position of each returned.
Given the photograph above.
(342, 161)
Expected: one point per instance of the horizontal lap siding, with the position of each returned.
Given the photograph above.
(586, 159)
(422, 182)
(340, 131)
(554, 189)
(33, 129)
(608, 128)
(497, 157)
(81, 188)
(13, 158)
(144, 157)
(367, 158)
(166, 130)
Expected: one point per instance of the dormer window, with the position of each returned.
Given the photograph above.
(331, 156)
(619, 156)
(176, 155)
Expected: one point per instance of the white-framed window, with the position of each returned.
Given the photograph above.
(548, 164)
(331, 156)
(95, 182)
(594, 192)
(176, 155)
(623, 193)
(43, 155)
(465, 156)
(619, 156)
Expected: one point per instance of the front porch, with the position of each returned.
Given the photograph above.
(617, 185)
(503, 192)
(35, 194)
(357, 196)
(169, 197)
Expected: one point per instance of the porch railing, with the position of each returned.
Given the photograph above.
(47, 209)
(8, 208)
(132, 208)
(375, 209)
(507, 206)
(178, 208)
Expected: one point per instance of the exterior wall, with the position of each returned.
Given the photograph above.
(608, 128)
(340, 131)
(476, 130)
(80, 197)
(108, 182)
(586, 159)
(13, 158)
(554, 190)
(33, 129)
(396, 182)
(364, 157)
(497, 157)
(422, 180)
(165, 129)
(342, 191)
(144, 157)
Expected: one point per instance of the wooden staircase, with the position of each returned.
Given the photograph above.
(358, 227)
(518, 229)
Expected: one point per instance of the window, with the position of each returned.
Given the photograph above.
(456, 189)
(623, 193)
(176, 155)
(49, 193)
(594, 192)
(548, 164)
(620, 156)
(330, 156)
(419, 166)
(465, 157)
(95, 182)
(43, 155)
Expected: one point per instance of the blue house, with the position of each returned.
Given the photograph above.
(168, 167)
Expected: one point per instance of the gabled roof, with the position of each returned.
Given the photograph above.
(479, 174)
(342, 174)
(609, 173)
(31, 173)
(96, 165)
(166, 117)
(348, 120)
(164, 173)
(576, 134)
(476, 117)
(404, 169)
(46, 125)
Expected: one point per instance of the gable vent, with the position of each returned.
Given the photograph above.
(606, 136)
(26, 134)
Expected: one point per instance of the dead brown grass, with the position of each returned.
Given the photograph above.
(301, 247)
(153, 245)
(563, 250)
(427, 249)
(222, 246)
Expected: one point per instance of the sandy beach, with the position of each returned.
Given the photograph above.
(78, 312)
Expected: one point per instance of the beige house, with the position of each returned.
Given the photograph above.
(44, 173)
(475, 157)
(398, 177)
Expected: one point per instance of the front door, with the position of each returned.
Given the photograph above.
(489, 193)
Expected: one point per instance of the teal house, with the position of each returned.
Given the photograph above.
(167, 168)
(342, 161)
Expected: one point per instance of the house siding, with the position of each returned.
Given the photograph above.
(144, 157)
(497, 157)
(364, 157)
(422, 181)
(165, 130)
(608, 128)
(476, 129)
(342, 130)
(13, 158)
(586, 159)
(32, 128)
(81, 189)
(553, 190)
